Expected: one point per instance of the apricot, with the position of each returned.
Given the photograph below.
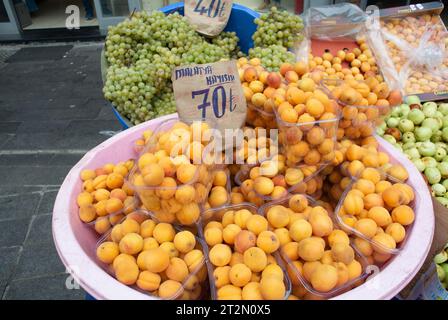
(255, 258)
(300, 229)
(147, 228)
(229, 292)
(290, 250)
(213, 236)
(342, 252)
(228, 218)
(150, 243)
(177, 270)
(354, 270)
(169, 248)
(272, 288)
(353, 204)
(163, 232)
(220, 255)
(380, 215)
(130, 226)
(244, 240)
(268, 241)
(310, 249)
(383, 243)
(156, 260)
(114, 180)
(100, 182)
(222, 276)
(366, 226)
(263, 185)
(373, 200)
(403, 214)
(84, 199)
(363, 246)
(170, 289)
(194, 259)
(273, 270)
(113, 205)
(230, 232)
(381, 186)
(251, 291)
(186, 172)
(185, 194)
(298, 203)
(188, 214)
(338, 236)
(322, 225)
(184, 241)
(148, 281)
(282, 235)
(107, 252)
(278, 216)
(396, 231)
(257, 224)
(324, 278)
(127, 272)
(241, 217)
(87, 213)
(240, 275)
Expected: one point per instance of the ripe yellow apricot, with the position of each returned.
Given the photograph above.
(130, 226)
(127, 272)
(338, 236)
(107, 252)
(396, 231)
(268, 241)
(403, 214)
(300, 229)
(114, 180)
(257, 224)
(230, 232)
(324, 278)
(220, 255)
(236, 258)
(241, 216)
(251, 291)
(163, 232)
(354, 269)
(255, 259)
(244, 240)
(169, 248)
(282, 235)
(147, 228)
(177, 270)
(353, 204)
(148, 281)
(87, 174)
(273, 270)
(383, 243)
(290, 250)
(141, 260)
(310, 249)
(194, 259)
(157, 260)
(272, 288)
(113, 205)
(84, 199)
(184, 241)
(185, 194)
(150, 243)
(170, 289)
(343, 273)
(131, 243)
(213, 236)
(308, 269)
(228, 218)
(188, 214)
(298, 203)
(366, 226)
(263, 185)
(87, 213)
(342, 252)
(122, 257)
(363, 246)
(153, 174)
(278, 216)
(229, 292)
(222, 276)
(240, 275)
(186, 173)
(321, 224)
(380, 215)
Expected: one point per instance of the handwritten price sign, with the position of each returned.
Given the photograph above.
(209, 16)
(210, 92)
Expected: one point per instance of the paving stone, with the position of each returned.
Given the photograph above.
(43, 288)
(40, 231)
(13, 232)
(4, 138)
(50, 126)
(8, 261)
(32, 141)
(38, 260)
(26, 160)
(33, 175)
(9, 127)
(47, 202)
(91, 126)
(66, 159)
(39, 53)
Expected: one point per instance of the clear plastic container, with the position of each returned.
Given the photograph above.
(193, 286)
(257, 117)
(301, 286)
(405, 198)
(309, 143)
(104, 223)
(168, 182)
(357, 121)
(217, 215)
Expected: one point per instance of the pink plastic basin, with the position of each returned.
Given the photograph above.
(75, 242)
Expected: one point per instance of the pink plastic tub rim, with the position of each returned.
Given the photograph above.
(75, 242)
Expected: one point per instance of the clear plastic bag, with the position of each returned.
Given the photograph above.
(339, 22)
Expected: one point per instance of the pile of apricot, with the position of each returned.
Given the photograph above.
(167, 180)
(155, 258)
(411, 30)
(106, 197)
(319, 256)
(242, 252)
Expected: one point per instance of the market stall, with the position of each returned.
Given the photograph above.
(303, 202)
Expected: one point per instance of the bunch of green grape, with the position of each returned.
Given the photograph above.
(142, 52)
(278, 27)
(272, 56)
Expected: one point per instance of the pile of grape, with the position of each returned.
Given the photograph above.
(277, 31)
(142, 52)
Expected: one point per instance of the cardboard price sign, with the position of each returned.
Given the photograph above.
(210, 92)
(209, 17)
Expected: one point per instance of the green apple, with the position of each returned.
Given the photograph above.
(408, 137)
(427, 149)
(429, 109)
(423, 133)
(393, 122)
(412, 100)
(443, 168)
(438, 190)
(433, 175)
(429, 162)
(443, 108)
(416, 116)
(440, 154)
(420, 165)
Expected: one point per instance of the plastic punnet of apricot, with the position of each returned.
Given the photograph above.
(154, 257)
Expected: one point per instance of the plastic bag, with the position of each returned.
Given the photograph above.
(340, 22)
(412, 53)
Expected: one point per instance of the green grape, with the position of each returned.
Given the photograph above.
(278, 27)
(142, 52)
(272, 56)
